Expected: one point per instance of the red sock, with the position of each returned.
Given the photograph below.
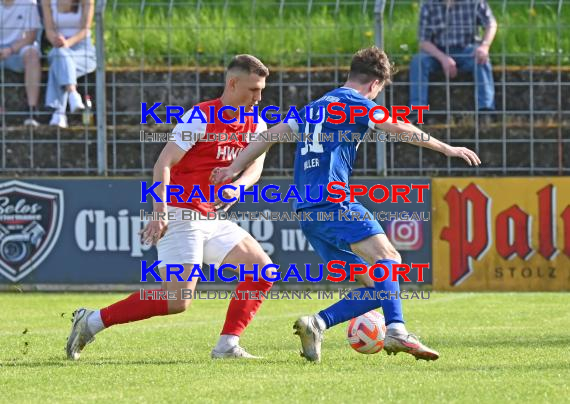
(133, 309)
(241, 311)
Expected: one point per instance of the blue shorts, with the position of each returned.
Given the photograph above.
(332, 239)
(15, 62)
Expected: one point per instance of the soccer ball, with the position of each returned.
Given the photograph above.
(366, 333)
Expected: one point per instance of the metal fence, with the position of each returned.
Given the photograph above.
(174, 52)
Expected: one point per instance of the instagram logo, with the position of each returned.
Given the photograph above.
(406, 235)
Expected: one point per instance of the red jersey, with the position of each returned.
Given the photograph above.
(204, 153)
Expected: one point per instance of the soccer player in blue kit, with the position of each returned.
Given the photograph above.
(319, 162)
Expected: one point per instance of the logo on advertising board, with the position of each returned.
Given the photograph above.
(406, 235)
(31, 217)
(498, 234)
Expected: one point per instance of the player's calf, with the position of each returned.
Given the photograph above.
(178, 305)
(87, 323)
(250, 295)
(176, 287)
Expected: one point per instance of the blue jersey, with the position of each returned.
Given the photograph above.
(324, 160)
(331, 158)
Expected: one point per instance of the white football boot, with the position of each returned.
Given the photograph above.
(395, 342)
(307, 328)
(80, 335)
(75, 102)
(235, 352)
(58, 119)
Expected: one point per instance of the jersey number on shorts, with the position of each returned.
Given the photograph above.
(315, 146)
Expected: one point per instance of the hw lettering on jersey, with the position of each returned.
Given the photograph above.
(469, 231)
(334, 113)
(227, 153)
(176, 113)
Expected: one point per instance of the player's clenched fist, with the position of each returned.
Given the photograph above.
(221, 174)
(153, 231)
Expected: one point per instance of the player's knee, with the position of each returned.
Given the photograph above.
(178, 305)
(395, 256)
(263, 260)
(257, 258)
(266, 269)
(389, 253)
(261, 265)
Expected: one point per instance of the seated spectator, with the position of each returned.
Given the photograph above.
(68, 29)
(448, 40)
(19, 51)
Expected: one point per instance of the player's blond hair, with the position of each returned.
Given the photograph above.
(248, 64)
(370, 64)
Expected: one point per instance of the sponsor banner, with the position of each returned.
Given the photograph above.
(30, 223)
(501, 233)
(86, 231)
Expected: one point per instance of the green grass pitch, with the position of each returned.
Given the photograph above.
(495, 347)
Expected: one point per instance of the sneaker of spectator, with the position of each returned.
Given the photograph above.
(32, 119)
(58, 119)
(75, 102)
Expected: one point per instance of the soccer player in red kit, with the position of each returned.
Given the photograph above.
(188, 161)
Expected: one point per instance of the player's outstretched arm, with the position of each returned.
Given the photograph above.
(249, 177)
(462, 152)
(170, 155)
(252, 173)
(249, 154)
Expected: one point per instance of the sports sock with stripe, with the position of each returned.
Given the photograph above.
(391, 305)
(362, 300)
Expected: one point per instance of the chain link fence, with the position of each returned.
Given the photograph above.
(174, 52)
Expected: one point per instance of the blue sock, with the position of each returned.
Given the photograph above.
(391, 305)
(353, 306)
(355, 303)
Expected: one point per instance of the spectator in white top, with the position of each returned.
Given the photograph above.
(19, 50)
(68, 29)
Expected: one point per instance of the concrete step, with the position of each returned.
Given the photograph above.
(517, 90)
(516, 144)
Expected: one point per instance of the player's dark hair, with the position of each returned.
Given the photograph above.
(248, 64)
(370, 64)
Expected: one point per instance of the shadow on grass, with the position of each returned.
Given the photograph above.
(200, 361)
(61, 362)
(511, 344)
(512, 367)
(438, 367)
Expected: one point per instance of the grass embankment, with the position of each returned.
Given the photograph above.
(294, 36)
